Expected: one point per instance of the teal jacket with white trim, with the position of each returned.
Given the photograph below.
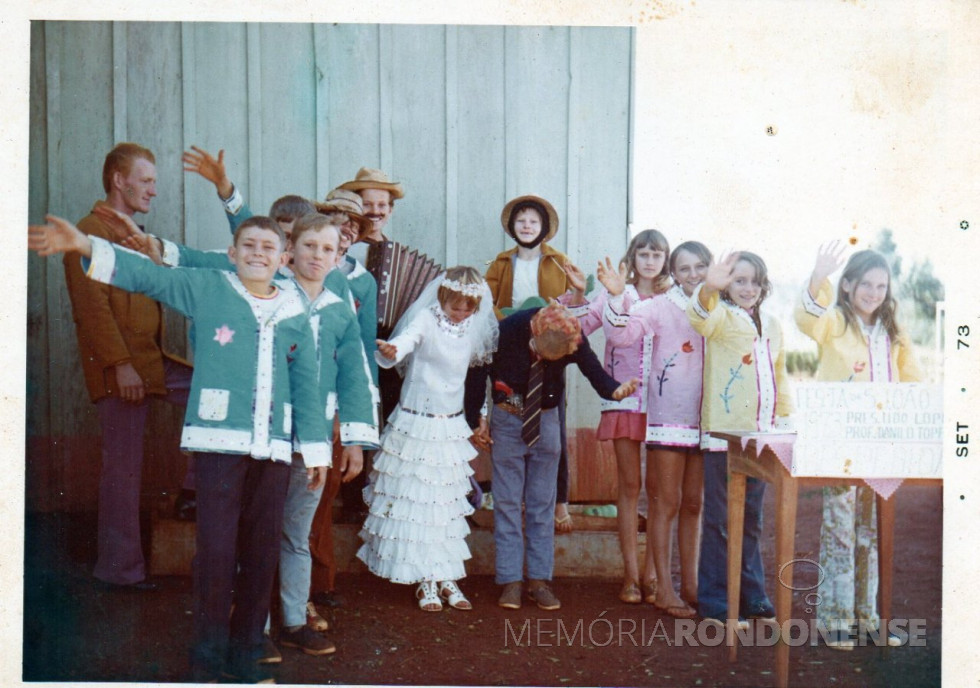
(344, 379)
(254, 386)
(362, 283)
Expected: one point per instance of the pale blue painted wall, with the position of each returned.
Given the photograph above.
(464, 116)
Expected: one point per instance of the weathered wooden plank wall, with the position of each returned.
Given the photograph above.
(464, 116)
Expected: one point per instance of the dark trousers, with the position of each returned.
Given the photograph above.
(562, 496)
(239, 526)
(713, 564)
(321, 533)
(120, 554)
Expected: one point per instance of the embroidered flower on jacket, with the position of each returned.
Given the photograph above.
(736, 374)
(857, 368)
(223, 335)
(669, 363)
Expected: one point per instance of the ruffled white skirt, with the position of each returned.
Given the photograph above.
(416, 495)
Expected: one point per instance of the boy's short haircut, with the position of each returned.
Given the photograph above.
(290, 208)
(262, 222)
(312, 222)
(120, 159)
(335, 217)
(556, 332)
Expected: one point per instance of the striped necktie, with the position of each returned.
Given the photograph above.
(531, 429)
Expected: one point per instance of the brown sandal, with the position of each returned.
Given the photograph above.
(650, 591)
(630, 593)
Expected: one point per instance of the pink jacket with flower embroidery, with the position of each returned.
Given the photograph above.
(621, 362)
(672, 353)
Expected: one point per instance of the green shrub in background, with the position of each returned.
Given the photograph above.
(801, 362)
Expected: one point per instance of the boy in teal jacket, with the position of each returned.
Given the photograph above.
(362, 285)
(253, 394)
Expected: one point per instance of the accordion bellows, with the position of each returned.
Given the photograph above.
(402, 273)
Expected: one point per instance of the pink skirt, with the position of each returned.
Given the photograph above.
(615, 425)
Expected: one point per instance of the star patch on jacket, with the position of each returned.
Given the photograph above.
(223, 335)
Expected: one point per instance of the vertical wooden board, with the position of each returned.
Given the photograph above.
(78, 65)
(601, 114)
(80, 134)
(38, 356)
(350, 54)
(480, 137)
(287, 112)
(536, 115)
(155, 115)
(599, 125)
(215, 59)
(418, 134)
(154, 118)
(84, 111)
(154, 107)
(162, 44)
(39, 478)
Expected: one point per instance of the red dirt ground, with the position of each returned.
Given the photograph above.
(75, 632)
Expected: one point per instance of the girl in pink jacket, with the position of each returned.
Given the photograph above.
(644, 275)
(672, 358)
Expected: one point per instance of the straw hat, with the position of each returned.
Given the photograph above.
(550, 209)
(343, 201)
(369, 178)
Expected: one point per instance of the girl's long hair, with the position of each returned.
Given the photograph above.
(762, 277)
(648, 238)
(857, 266)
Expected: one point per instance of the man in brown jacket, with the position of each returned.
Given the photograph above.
(119, 341)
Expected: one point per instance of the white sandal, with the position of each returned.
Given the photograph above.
(449, 591)
(428, 597)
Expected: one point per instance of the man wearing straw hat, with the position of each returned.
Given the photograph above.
(378, 195)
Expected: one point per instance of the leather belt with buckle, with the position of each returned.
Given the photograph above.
(510, 408)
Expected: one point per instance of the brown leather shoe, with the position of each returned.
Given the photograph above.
(510, 598)
(543, 596)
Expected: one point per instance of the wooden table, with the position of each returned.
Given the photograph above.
(746, 462)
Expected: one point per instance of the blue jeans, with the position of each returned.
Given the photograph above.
(295, 563)
(524, 476)
(713, 567)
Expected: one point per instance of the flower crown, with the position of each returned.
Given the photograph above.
(474, 289)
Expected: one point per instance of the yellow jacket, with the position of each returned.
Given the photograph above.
(552, 281)
(745, 384)
(848, 354)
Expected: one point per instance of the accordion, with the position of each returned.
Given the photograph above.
(402, 273)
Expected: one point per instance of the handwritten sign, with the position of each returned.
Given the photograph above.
(868, 430)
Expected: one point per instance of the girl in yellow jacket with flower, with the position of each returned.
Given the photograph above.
(744, 389)
(859, 340)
